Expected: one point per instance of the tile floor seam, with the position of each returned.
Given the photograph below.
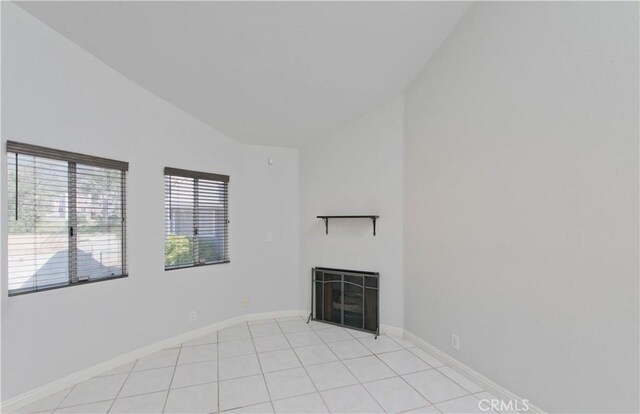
(175, 367)
(111, 375)
(185, 386)
(392, 370)
(419, 408)
(230, 410)
(246, 376)
(132, 395)
(446, 376)
(184, 365)
(407, 382)
(62, 400)
(303, 367)
(408, 373)
(442, 370)
(455, 398)
(351, 372)
(122, 386)
(206, 343)
(142, 370)
(439, 402)
(136, 395)
(414, 388)
(288, 369)
(412, 372)
(76, 405)
(261, 370)
(296, 396)
(335, 342)
(365, 388)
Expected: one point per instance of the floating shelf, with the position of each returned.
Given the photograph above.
(326, 221)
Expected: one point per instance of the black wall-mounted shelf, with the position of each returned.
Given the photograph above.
(326, 221)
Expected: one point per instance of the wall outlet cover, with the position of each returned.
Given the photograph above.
(455, 342)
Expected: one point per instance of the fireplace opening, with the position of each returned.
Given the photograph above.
(346, 298)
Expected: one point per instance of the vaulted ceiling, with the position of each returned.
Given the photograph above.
(276, 73)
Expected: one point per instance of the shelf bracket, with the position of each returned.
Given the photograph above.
(326, 221)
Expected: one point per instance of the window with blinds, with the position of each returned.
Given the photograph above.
(67, 219)
(196, 218)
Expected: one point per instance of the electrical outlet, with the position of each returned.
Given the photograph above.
(455, 342)
(245, 302)
(192, 316)
(269, 237)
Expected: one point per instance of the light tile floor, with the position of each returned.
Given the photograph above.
(282, 366)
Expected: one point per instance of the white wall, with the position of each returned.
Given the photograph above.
(57, 95)
(356, 170)
(521, 201)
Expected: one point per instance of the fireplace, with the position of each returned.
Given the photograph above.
(347, 298)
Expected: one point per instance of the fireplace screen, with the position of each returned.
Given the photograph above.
(346, 297)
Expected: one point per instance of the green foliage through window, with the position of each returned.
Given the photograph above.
(178, 250)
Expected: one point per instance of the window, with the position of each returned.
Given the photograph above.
(196, 218)
(67, 221)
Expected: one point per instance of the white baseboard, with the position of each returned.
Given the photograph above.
(489, 386)
(32, 396)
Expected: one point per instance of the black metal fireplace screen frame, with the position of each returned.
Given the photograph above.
(369, 282)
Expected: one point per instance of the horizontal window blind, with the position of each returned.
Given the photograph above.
(38, 151)
(196, 218)
(66, 222)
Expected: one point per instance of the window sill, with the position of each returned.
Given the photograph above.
(82, 283)
(196, 265)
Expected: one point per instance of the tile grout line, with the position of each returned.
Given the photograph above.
(184, 386)
(419, 408)
(351, 372)
(122, 386)
(341, 360)
(261, 370)
(247, 376)
(61, 401)
(72, 406)
(406, 382)
(290, 369)
(322, 341)
(279, 399)
(175, 367)
(452, 399)
(135, 395)
(438, 370)
(432, 368)
(302, 365)
(402, 378)
(345, 365)
(398, 375)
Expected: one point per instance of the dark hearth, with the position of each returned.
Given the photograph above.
(346, 297)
